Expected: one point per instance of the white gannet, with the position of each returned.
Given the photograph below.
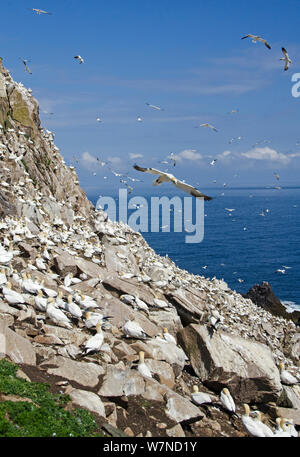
(215, 319)
(168, 337)
(40, 301)
(94, 343)
(49, 292)
(213, 162)
(281, 431)
(3, 279)
(206, 124)
(168, 177)
(199, 397)
(291, 428)
(142, 367)
(227, 400)
(267, 432)
(155, 107)
(141, 305)
(28, 285)
(92, 319)
(133, 330)
(26, 67)
(40, 263)
(257, 38)
(79, 58)
(38, 11)
(56, 315)
(12, 297)
(286, 377)
(72, 308)
(250, 424)
(85, 302)
(286, 59)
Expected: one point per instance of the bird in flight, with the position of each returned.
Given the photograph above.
(155, 107)
(168, 177)
(209, 126)
(257, 38)
(26, 67)
(276, 175)
(213, 162)
(39, 11)
(79, 58)
(286, 58)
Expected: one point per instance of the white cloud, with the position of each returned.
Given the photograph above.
(135, 156)
(188, 154)
(266, 154)
(114, 160)
(88, 161)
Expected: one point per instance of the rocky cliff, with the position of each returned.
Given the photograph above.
(54, 244)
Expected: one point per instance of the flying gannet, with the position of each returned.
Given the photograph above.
(286, 59)
(155, 107)
(38, 11)
(26, 66)
(257, 38)
(209, 126)
(79, 58)
(168, 177)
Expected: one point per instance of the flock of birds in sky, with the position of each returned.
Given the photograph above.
(165, 176)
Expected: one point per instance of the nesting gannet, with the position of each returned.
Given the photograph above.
(40, 301)
(267, 432)
(40, 263)
(79, 58)
(281, 431)
(72, 308)
(94, 343)
(215, 319)
(227, 400)
(3, 279)
(56, 315)
(28, 285)
(12, 297)
(168, 177)
(49, 292)
(142, 367)
(92, 319)
(85, 302)
(133, 330)
(168, 337)
(286, 377)
(38, 11)
(199, 397)
(286, 59)
(291, 428)
(250, 424)
(257, 38)
(139, 304)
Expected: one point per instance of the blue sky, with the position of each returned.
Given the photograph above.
(187, 57)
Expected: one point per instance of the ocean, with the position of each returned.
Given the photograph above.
(245, 246)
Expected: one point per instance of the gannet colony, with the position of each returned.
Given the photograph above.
(87, 305)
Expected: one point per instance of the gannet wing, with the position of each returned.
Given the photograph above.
(152, 171)
(190, 190)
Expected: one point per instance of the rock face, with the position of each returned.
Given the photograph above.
(49, 229)
(262, 295)
(221, 360)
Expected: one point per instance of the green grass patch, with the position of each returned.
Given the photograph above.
(44, 417)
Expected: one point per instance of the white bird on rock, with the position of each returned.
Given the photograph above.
(250, 424)
(267, 432)
(168, 337)
(199, 397)
(12, 297)
(286, 377)
(133, 330)
(40, 301)
(94, 343)
(142, 367)
(56, 315)
(227, 400)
